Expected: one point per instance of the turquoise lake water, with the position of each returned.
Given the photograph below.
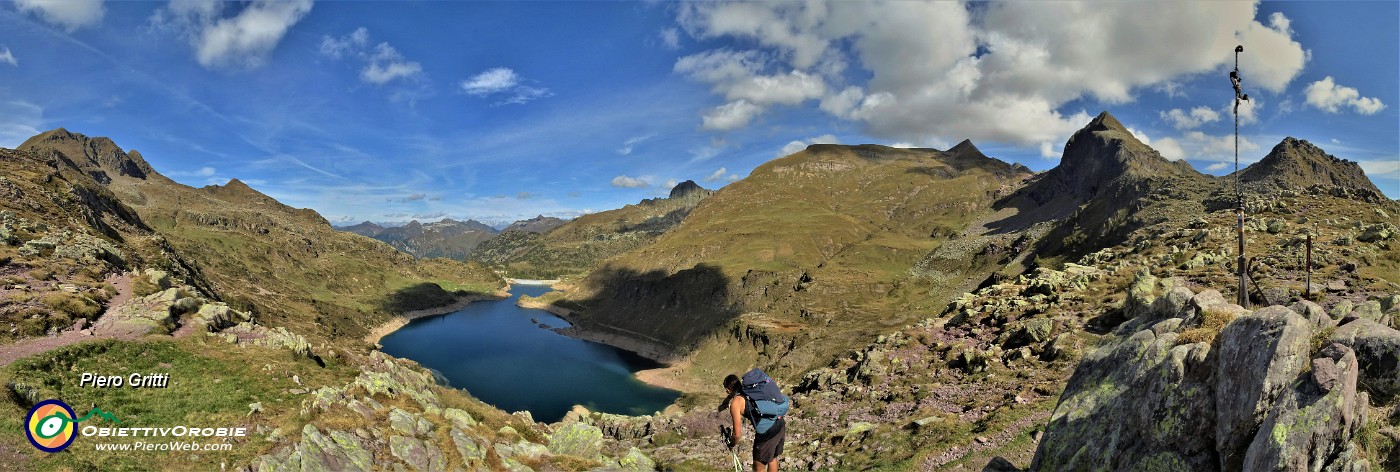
(493, 351)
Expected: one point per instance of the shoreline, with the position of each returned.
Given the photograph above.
(654, 351)
(401, 320)
(548, 282)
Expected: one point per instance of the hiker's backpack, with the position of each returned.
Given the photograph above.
(766, 403)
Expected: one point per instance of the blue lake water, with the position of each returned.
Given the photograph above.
(493, 351)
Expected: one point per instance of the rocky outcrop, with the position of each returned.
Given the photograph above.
(1298, 164)
(1199, 384)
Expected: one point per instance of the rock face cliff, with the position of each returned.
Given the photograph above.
(1196, 383)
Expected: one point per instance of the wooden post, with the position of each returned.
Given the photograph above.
(1307, 288)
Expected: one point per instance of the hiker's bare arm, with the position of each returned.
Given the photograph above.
(736, 410)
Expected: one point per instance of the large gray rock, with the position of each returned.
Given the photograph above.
(1259, 357)
(1378, 349)
(1311, 427)
(423, 456)
(1143, 402)
(577, 439)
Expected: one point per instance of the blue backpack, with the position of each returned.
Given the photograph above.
(766, 403)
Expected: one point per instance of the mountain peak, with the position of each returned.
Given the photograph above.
(1100, 153)
(965, 149)
(686, 188)
(1105, 122)
(99, 157)
(1296, 163)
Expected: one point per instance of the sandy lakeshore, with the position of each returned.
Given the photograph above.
(379, 332)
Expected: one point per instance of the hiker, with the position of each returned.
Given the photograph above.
(757, 398)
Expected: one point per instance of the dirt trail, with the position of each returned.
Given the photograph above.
(28, 347)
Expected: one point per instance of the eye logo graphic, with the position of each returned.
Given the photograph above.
(50, 426)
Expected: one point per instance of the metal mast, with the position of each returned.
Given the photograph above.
(1240, 96)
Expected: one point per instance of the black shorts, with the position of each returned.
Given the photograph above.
(768, 446)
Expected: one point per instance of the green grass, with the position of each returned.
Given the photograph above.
(211, 385)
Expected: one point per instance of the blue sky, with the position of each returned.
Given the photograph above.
(504, 110)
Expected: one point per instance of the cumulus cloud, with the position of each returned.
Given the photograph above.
(716, 175)
(935, 70)
(1197, 145)
(68, 14)
(8, 57)
(503, 82)
(381, 64)
(629, 182)
(1193, 119)
(798, 145)
(732, 115)
(1388, 168)
(242, 41)
(1331, 97)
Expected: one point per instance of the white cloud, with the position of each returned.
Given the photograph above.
(1248, 110)
(1330, 97)
(704, 153)
(798, 145)
(1140, 135)
(1197, 145)
(671, 38)
(731, 115)
(716, 175)
(1216, 167)
(69, 14)
(1048, 151)
(8, 57)
(386, 64)
(350, 44)
(629, 182)
(1193, 119)
(205, 171)
(502, 80)
(492, 81)
(19, 120)
(631, 143)
(242, 41)
(938, 71)
(671, 183)
(382, 64)
(1389, 169)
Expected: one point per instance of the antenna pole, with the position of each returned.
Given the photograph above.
(1240, 96)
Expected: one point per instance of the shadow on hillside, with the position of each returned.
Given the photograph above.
(675, 311)
(419, 296)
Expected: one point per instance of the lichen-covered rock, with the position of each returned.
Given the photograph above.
(1259, 358)
(340, 451)
(1141, 399)
(459, 418)
(420, 455)
(577, 439)
(635, 460)
(469, 449)
(409, 423)
(1377, 348)
(1305, 431)
(522, 450)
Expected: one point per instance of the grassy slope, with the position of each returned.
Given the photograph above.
(853, 219)
(580, 244)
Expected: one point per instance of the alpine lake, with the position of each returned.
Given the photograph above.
(496, 353)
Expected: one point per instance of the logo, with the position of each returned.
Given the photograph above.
(52, 426)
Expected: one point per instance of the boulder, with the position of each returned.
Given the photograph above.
(635, 460)
(1377, 347)
(577, 439)
(419, 455)
(1259, 357)
(1306, 430)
